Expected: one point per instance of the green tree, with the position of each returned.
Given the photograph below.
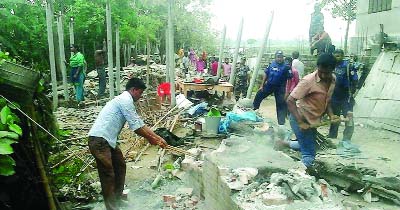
(345, 9)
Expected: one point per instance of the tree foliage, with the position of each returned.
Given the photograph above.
(23, 30)
(345, 9)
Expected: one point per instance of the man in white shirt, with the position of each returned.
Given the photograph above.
(297, 64)
(103, 137)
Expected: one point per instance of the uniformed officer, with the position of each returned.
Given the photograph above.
(274, 81)
(342, 98)
(241, 81)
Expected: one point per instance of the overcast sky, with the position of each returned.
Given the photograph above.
(291, 19)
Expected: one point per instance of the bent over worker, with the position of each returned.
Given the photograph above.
(103, 137)
(313, 95)
(274, 81)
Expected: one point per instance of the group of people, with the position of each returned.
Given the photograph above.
(328, 90)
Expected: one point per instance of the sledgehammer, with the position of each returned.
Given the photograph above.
(328, 122)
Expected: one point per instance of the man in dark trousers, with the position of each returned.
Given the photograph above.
(308, 102)
(242, 79)
(342, 98)
(103, 137)
(274, 81)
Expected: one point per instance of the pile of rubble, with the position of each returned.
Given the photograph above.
(182, 199)
(291, 189)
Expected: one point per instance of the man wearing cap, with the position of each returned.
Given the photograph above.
(242, 78)
(308, 102)
(342, 98)
(274, 81)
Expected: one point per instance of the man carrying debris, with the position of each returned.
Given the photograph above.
(316, 23)
(103, 140)
(242, 78)
(274, 81)
(342, 98)
(312, 95)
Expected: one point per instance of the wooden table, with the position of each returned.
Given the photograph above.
(184, 87)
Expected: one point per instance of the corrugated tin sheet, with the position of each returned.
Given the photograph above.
(378, 102)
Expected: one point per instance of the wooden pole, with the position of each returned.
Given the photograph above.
(60, 29)
(260, 55)
(235, 57)
(71, 32)
(221, 51)
(110, 50)
(50, 41)
(171, 51)
(148, 63)
(117, 60)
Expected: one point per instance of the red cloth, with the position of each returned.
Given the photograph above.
(214, 68)
(292, 83)
(164, 89)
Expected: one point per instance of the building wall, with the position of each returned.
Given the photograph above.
(367, 26)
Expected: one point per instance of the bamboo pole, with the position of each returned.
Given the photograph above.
(260, 55)
(40, 165)
(60, 29)
(221, 51)
(110, 50)
(117, 60)
(171, 51)
(235, 57)
(50, 41)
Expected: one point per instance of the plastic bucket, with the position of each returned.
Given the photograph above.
(212, 124)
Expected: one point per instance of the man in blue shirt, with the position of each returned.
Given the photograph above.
(103, 137)
(342, 98)
(274, 81)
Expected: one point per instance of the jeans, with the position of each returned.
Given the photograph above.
(338, 108)
(101, 71)
(78, 84)
(112, 169)
(279, 93)
(306, 140)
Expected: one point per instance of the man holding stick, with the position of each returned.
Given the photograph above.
(308, 102)
(103, 138)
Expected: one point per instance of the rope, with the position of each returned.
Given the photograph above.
(26, 115)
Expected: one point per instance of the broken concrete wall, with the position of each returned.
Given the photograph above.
(378, 103)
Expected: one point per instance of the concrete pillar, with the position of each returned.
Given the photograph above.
(110, 50)
(167, 79)
(117, 60)
(221, 51)
(235, 57)
(50, 41)
(60, 30)
(259, 57)
(148, 62)
(71, 32)
(171, 51)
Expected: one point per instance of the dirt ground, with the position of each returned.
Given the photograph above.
(379, 150)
